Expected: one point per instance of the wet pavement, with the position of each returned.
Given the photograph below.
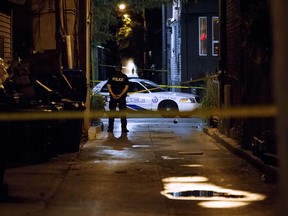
(158, 168)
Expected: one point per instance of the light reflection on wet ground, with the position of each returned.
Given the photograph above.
(198, 188)
(176, 146)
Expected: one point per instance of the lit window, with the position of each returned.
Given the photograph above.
(215, 36)
(203, 36)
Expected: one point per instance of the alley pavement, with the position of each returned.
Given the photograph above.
(158, 168)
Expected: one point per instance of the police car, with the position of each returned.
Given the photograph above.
(146, 95)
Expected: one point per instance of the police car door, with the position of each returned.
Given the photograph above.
(138, 97)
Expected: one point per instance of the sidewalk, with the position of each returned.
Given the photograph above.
(269, 172)
(141, 173)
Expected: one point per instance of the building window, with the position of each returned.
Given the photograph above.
(215, 36)
(203, 36)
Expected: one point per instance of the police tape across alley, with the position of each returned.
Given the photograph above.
(235, 112)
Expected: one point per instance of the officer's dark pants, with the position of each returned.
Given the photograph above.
(122, 108)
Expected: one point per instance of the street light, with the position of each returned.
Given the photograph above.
(122, 6)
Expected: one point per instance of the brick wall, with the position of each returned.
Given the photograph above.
(233, 37)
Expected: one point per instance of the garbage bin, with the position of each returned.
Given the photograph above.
(69, 134)
(77, 79)
(4, 134)
(34, 141)
(69, 131)
(5, 106)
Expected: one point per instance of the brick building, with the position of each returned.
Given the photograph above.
(245, 61)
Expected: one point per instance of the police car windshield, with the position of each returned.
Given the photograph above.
(152, 87)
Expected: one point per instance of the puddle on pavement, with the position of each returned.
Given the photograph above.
(190, 153)
(141, 146)
(203, 193)
(192, 165)
(198, 188)
(118, 153)
(171, 158)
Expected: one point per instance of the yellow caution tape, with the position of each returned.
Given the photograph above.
(233, 112)
(200, 79)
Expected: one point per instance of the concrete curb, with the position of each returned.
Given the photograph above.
(270, 173)
(94, 131)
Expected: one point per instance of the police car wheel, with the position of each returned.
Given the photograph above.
(168, 109)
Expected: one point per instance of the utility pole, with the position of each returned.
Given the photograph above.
(145, 40)
(87, 48)
(164, 43)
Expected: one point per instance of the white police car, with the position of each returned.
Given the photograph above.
(146, 95)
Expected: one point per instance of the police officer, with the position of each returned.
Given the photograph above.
(118, 86)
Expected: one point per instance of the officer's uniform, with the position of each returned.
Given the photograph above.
(118, 81)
